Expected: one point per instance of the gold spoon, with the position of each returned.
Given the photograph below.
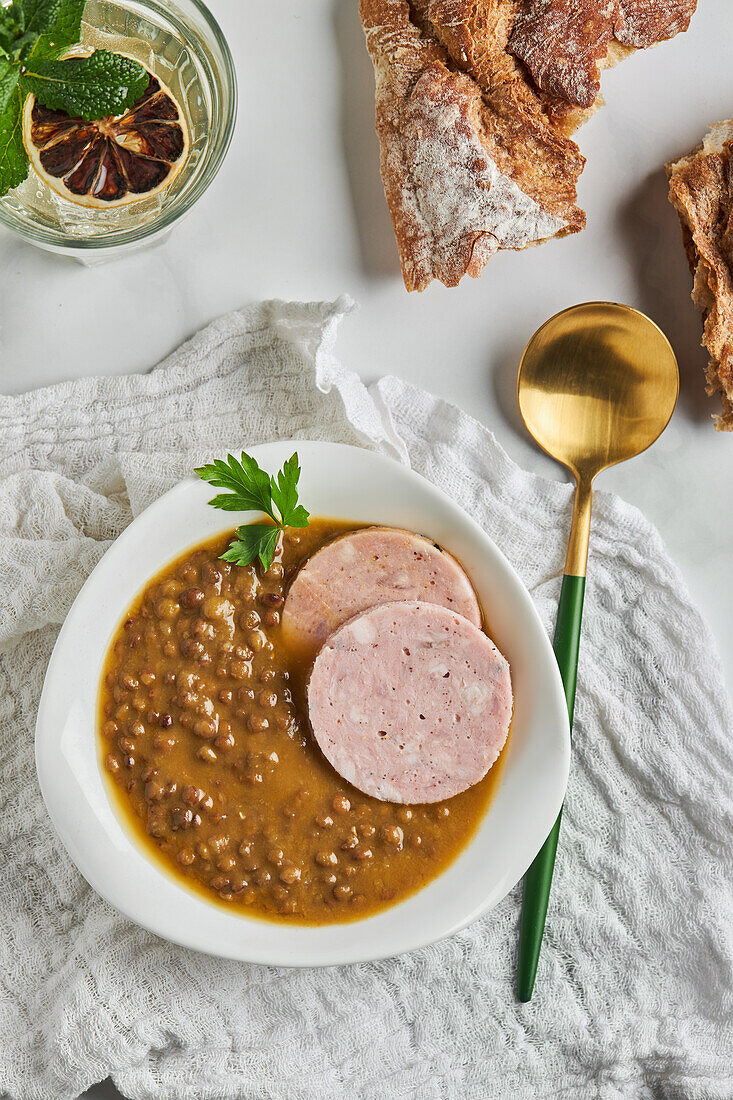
(597, 384)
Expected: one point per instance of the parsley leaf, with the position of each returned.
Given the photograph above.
(102, 84)
(250, 488)
(248, 485)
(285, 494)
(254, 540)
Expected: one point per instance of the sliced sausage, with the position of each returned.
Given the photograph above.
(410, 702)
(363, 569)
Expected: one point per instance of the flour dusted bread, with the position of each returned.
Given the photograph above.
(701, 191)
(566, 43)
(476, 102)
(464, 173)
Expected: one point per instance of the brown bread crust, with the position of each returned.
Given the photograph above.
(476, 153)
(566, 43)
(701, 191)
(446, 82)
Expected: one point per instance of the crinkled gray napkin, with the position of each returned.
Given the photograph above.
(634, 993)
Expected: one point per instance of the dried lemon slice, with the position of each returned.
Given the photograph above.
(112, 161)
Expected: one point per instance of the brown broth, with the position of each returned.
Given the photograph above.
(206, 745)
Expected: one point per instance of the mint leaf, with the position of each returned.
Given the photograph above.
(9, 76)
(64, 31)
(254, 540)
(13, 157)
(40, 15)
(12, 25)
(102, 84)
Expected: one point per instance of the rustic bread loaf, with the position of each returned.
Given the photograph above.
(476, 101)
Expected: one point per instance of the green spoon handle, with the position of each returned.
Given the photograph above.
(538, 879)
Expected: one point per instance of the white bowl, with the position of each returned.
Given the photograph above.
(353, 484)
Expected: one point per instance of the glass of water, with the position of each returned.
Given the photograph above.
(183, 47)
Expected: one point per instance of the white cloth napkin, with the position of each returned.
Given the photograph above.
(633, 998)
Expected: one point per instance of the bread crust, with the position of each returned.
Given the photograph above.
(469, 161)
(566, 43)
(476, 155)
(701, 191)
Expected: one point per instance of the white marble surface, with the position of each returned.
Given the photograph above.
(298, 212)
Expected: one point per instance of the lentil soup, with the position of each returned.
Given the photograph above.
(204, 737)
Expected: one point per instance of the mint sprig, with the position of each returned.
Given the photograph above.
(249, 488)
(13, 157)
(63, 30)
(40, 15)
(33, 35)
(12, 26)
(102, 84)
(8, 81)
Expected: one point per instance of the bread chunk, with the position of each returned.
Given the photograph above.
(566, 43)
(701, 191)
(476, 101)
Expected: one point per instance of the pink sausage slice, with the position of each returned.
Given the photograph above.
(410, 702)
(363, 569)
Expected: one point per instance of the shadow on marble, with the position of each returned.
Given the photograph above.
(503, 370)
(650, 231)
(360, 146)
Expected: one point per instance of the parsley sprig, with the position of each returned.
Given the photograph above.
(249, 488)
(33, 35)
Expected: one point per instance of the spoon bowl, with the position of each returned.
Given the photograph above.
(597, 384)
